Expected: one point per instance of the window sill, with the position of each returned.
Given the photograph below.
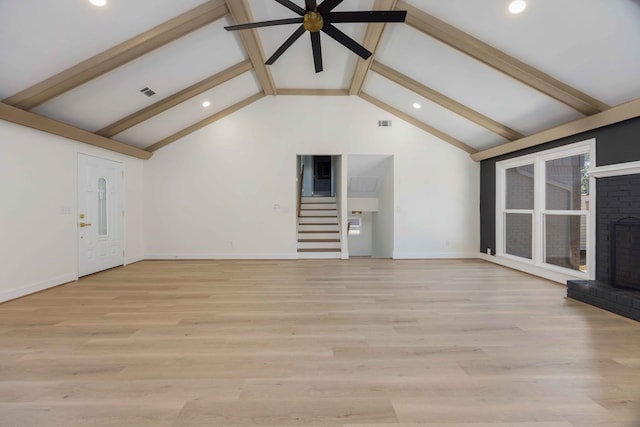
(555, 276)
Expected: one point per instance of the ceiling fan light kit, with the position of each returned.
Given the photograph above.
(316, 18)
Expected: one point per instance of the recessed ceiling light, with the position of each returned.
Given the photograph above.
(205, 104)
(517, 6)
(417, 106)
(98, 2)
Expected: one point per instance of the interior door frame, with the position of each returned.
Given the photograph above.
(76, 207)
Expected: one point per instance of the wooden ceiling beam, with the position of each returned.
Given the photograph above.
(499, 60)
(46, 124)
(211, 119)
(371, 40)
(445, 101)
(241, 14)
(175, 99)
(119, 55)
(614, 115)
(425, 127)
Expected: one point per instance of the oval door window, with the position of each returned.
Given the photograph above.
(102, 207)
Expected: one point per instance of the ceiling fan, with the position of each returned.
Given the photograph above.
(315, 18)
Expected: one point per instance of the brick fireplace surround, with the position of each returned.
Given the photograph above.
(617, 197)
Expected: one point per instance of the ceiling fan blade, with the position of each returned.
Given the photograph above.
(264, 24)
(295, 36)
(327, 6)
(317, 51)
(310, 5)
(292, 6)
(346, 41)
(368, 16)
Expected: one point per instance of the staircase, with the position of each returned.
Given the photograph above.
(318, 228)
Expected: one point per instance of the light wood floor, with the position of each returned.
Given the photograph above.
(367, 343)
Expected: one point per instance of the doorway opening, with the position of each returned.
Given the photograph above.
(318, 179)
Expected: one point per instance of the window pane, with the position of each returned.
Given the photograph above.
(520, 187)
(567, 186)
(566, 241)
(518, 234)
(102, 207)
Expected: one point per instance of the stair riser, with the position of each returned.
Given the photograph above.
(318, 236)
(317, 220)
(318, 200)
(318, 245)
(331, 213)
(312, 206)
(319, 255)
(327, 228)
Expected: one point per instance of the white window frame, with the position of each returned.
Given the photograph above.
(539, 209)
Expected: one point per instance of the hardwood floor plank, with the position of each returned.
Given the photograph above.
(271, 412)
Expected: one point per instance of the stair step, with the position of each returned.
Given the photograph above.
(335, 244)
(312, 220)
(312, 232)
(318, 250)
(330, 212)
(317, 206)
(320, 228)
(320, 255)
(318, 235)
(317, 240)
(318, 200)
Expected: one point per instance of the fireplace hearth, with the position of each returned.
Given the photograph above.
(625, 302)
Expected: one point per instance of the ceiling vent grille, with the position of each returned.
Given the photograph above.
(384, 123)
(147, 91)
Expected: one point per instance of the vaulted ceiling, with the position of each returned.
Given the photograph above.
(483, 77)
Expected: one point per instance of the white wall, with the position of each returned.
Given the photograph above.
(365, 204)
(362, 244)
(383, 220)
(38, 227)
(212, 193)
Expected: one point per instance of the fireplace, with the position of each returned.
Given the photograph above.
(617, 284)
(625, 253)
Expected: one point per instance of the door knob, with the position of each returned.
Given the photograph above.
(82, 224)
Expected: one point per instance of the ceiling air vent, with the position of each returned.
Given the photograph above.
(384, 123)
(147, 91)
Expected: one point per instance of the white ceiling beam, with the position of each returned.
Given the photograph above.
(211, 119)
(119, 55)
(499, 60)
(46, 124)
(371, 40)
(175, 99)
(241, 14)
(614, 115)
(446, 102)
(425, 127)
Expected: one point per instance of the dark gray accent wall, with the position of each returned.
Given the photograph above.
(618, 143)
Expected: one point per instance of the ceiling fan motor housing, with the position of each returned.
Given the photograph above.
(313, 22)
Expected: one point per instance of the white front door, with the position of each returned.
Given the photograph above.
(100, 214)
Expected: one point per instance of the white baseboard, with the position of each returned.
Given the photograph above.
(133, 259)
(36, 287)
(433, 255)
(531, 269)
(220, 256)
